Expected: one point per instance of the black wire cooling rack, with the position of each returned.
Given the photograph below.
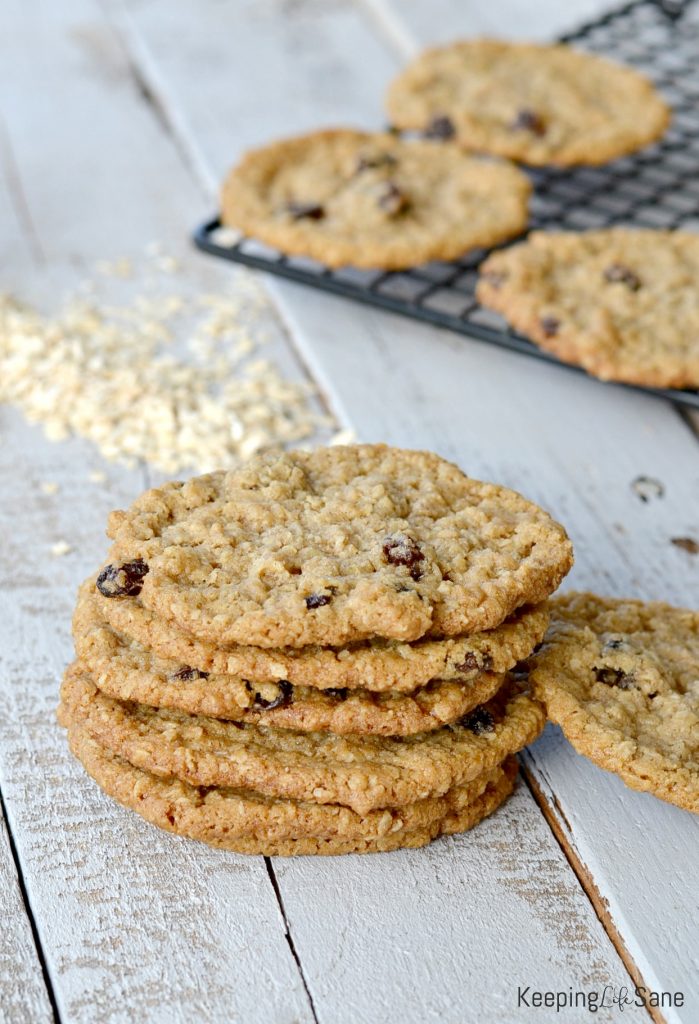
(658, 187)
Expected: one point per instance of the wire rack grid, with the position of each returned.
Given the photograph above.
(657, 188)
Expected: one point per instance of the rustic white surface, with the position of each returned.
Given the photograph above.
(135, 925)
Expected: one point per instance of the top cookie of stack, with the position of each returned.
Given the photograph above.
(256, 616)
(335, 546)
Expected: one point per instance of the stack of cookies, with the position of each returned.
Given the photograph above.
(315, 653)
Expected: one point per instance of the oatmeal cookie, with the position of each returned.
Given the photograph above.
(376, 665)
(249, 823)
(537, 104)
(361, 772)
(373, 200)
(332, 546)
(621, 302)
(621, 678)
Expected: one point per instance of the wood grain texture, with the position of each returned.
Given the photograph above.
(637, 850)
(448, 934)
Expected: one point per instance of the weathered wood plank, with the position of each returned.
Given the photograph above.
(452, 934)
(133, 924)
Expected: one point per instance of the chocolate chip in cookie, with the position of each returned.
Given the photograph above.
(440, 127)
(550, 325)
(317, 600)
(614, 677)
(337, 692)
(284, 697)
(367, 162)
(472, 663)
(479, 721)
(614, 643)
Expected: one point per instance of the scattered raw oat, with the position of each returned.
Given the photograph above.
(60, 548)
(48, 487)
(346, 436)
(98, 476)
(116, 268)
(166, 376)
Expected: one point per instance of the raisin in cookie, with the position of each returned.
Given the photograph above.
(621, 678)
(376, 665)
(361, 772)
(622, 303)
(249, 823)
(333, 546)
(373, 200)
(536, 104)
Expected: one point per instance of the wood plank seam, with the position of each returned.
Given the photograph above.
(82, 982)
(691, 418)
(289, 938)
(554, 819)
(151, 91)
(391, 29)
(400, 39)
(29, 913)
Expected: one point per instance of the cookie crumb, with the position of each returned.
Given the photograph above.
(97, 476)
(115, 268)
(687, 544)
(48, 487)
(60, 548)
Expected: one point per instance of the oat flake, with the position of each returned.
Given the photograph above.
(172, 378)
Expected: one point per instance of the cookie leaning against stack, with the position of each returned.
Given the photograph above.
(621, 678)
(313, 653)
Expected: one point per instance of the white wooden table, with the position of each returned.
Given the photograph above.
(118, 119)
